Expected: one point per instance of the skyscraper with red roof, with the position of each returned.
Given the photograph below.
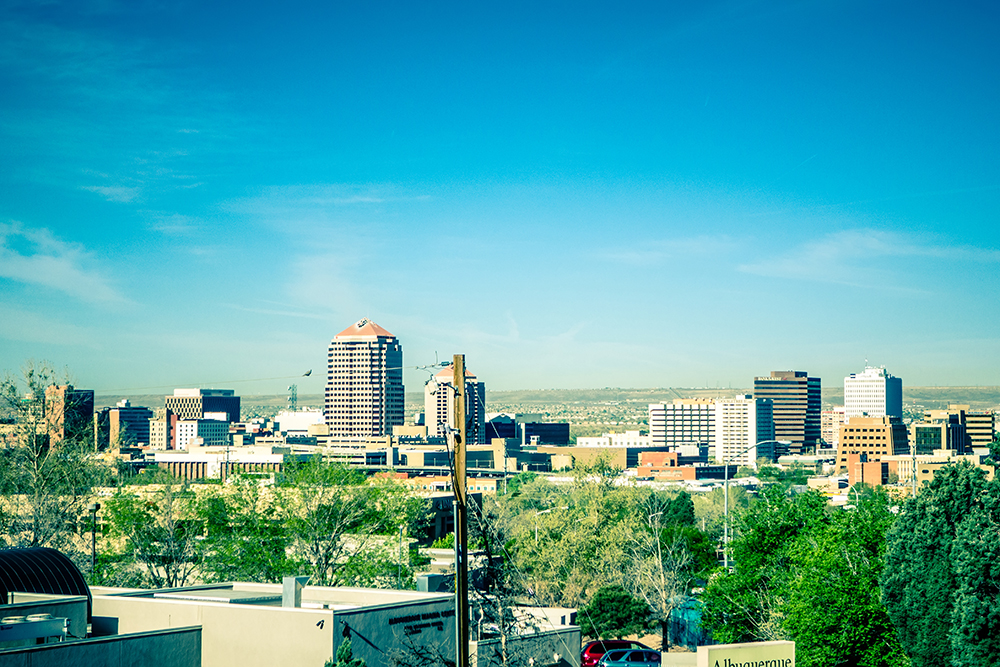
(364, 386)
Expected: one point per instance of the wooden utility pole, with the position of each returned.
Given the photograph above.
(461, 519)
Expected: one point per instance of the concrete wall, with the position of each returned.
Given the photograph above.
(233, 634)
(257, 635)
(180, 647)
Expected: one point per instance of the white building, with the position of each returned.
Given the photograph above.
(873, 393)
(742, 425)
(830, 423)
(299, 420)
(626, 439)
(364, 387)
(439, 405)
(685, 421)
(202, 432)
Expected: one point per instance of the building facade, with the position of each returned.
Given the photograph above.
(204, 403)
(797, 404)
(873, 393)
(201, 432)
(744, 429)
(685, 421)
(873, 437)
(830, 423)
(69, 413)
(128, 425)
(364, 388)
(439, 406)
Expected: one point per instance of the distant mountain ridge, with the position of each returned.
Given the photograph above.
(977, 398)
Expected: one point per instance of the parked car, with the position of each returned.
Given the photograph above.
(592, 651)
(631, 658)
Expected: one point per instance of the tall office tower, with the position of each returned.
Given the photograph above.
(797, 407)
(830, 423)
(129, 425)
(741, 423)
(873, 393)
(981, 427)
(220, 404)
(439, 406)
(69, 413)
(686, 421)
(364, 385)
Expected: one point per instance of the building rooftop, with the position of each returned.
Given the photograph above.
(364, 328)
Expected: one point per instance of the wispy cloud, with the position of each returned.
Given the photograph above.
(864, 258)
(113, 193)
(37, 257)
(323, 196)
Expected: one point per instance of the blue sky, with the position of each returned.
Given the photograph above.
(572, 194)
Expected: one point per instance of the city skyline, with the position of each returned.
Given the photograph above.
(569, 195)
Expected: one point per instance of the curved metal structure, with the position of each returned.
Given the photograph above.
(41, 570)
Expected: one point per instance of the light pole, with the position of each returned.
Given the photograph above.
(92, 508)
(725, 467)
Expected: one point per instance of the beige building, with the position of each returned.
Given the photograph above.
(439, 405)
(874, 437)
(364, 388)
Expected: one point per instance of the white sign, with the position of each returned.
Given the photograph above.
(755, 654)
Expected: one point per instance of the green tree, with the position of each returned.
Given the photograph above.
(919, 580)
(246, 537)
(746, 604)
(345, 657)
(975, 620)
(613, 612)
(941, 581)
(833, 607)
(159, 529)
(343, 527)
(806, 573)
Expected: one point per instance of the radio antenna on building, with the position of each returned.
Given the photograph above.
(293, 397)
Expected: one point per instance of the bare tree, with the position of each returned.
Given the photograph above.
(660, 573)
(46, 471)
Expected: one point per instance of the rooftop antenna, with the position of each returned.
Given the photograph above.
(293, 397)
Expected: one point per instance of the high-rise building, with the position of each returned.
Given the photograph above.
(685, 421)
(364, 386)
(69, 413)
(439, 406)
(873, 393)
(129, 425)
(797, 406)
(744, 430)
(219, 404)
(981, 427)
(830, 423)
(210, 433)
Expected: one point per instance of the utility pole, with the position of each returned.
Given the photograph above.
(461, 519)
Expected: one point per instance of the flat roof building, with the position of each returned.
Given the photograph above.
(873, 393)
(797, 403)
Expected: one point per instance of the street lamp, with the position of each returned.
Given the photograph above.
(725, 467)
(92, 508)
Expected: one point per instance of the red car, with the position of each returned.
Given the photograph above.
(592, 651)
